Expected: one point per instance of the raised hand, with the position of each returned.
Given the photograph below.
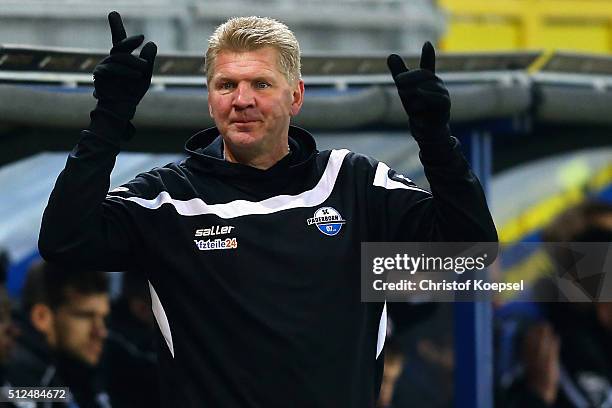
(122, 79)
(423, 94)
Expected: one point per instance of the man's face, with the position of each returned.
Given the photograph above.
(251, 102)
(79, 326)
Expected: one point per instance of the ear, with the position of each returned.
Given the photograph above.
(42, 318)
(297, 98)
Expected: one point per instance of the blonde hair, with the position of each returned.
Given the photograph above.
(240, 34)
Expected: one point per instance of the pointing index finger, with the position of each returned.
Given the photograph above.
(428, 58)
(116, 26)
(396, 65)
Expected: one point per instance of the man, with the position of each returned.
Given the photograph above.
(251, 244)
(130, 359)
(62, 334)
(7, 339)
(394, 365)
(8, 331)
(565, 354)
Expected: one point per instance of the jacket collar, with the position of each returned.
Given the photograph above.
(205, 151)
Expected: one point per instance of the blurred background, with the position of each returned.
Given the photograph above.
(530, 86)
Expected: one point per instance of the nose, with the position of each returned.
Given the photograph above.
(243, 97)
(99, 329)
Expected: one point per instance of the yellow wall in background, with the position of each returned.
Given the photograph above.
(482, 25)
(594, 37)
(470, 35)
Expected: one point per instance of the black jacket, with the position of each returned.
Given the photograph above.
(33, 364)
(30, 365)
(255, 291)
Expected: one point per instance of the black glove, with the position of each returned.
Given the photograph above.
(122, 79)
(424, 96)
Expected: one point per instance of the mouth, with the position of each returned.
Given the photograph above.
(244, 122)
(245, 125)
(95, 348)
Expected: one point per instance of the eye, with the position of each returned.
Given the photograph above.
(262, 85)
(226, 85)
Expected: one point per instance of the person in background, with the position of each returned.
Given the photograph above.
(428, 359)
(63, 333)
(129, 358)
(7, 337)
(8, 331)
(394, 365)
(567, 356)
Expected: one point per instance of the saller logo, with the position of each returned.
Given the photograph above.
(328, 221)
(214, 230)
